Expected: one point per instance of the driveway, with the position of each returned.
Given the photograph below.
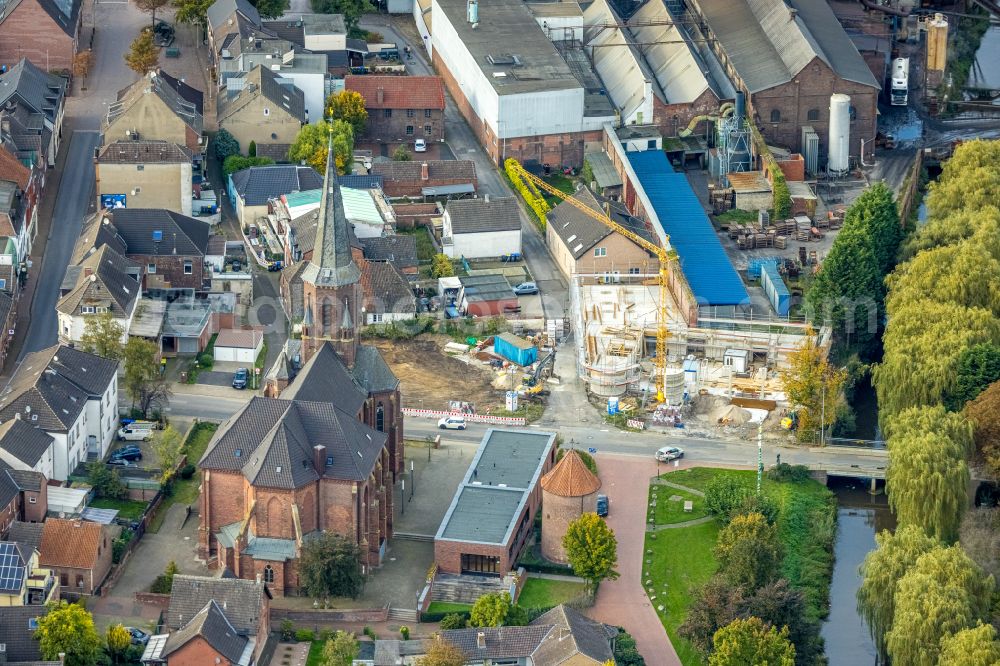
(623, 601)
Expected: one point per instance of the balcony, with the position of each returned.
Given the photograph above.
(41, 587)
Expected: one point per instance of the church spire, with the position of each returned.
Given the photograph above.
(332, 250)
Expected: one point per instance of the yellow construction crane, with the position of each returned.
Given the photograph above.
(664, 257)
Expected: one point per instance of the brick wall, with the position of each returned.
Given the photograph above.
(222, 502)
(671, 118)
(34, 512)
(29, 32)
(8, 514)
(794, 168)
(448, 555)
(170, 270)
(196, 652)
(393, 129)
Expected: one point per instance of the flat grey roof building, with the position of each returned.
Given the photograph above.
(500, 479)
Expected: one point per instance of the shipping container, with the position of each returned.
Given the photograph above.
(753, 266)
(774, 287)
(514, 349)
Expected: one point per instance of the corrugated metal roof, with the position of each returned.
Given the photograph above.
(604, 170)
(668, 54)
(708, 270)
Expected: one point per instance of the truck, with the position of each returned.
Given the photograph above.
(900, 89)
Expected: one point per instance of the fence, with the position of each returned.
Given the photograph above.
(469, 418)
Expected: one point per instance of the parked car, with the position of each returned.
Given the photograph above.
(130, 452)
(602, 505)
(133, 434)
(453, 422)
(420, 146)
(120, 462)
(526, 289)
(668, 453)
(240, 378)
(139, 637)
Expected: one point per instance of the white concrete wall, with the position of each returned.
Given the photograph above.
(43, 466)
(400, 6)
(235, 354)
(483, 245)
(477, 89)
(102, 417)
(425, 34)
(69, 448)
(71, 327)
(387, 317)
(313, 90)
(329, 42)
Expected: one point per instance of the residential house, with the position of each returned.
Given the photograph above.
(24, 582)
(71, 395)
(583, 245)
(23, 497)
(169, 247)
(208, 638)
(251, 189)
(17, 633)
(104, 282)
(187, 92)
(153, 109)
(481, 228)
(78, 552)
(261, 107)
(325, 452)
(401, 108)
(387, 295)
(26, 447)
(8, 322)
(30, 534)
(33, 102)
(23, 223)
(46, 32)
(432, 178)
(229, 17)
(244, 603)
(189, 322)
(144, 174)
(789, 57)
(400, 250)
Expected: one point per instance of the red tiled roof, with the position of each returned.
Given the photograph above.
(570, 478)
(11, 169)
(69, 543)
(399, 92)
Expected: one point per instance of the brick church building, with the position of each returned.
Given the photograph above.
(322, 449)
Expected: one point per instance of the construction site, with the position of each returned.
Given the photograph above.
(735, 357)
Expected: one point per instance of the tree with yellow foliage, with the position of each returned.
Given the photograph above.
(814, 386)
(311, 144)
(592, 549)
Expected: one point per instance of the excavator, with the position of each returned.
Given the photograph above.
(665, 258)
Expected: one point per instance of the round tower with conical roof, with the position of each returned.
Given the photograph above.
(568, 491)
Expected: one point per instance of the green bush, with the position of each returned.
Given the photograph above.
(440, 617)
(528, 192)
(587, 459)
(626, 652)
(206, 360)
(188, 471)
(404, 631)
(305, 635)
(120, 544)
(782, 197)
(370, 633)
(287, 630)
(451, 620)
(784, 472)
(724, 495)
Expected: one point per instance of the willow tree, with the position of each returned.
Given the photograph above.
(968, 180)
(942, 594)
(883, 567)
(965, 274)
(977, 646)
(922, 345)
(927, 482)
(937, 420)
(951, 228)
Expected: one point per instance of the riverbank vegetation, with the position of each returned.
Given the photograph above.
(926, 590)
(768, 556)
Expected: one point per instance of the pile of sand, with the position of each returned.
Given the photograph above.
(731, 415)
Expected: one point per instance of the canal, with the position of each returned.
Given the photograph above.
(859, 517)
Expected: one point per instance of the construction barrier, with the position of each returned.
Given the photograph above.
(470, 418)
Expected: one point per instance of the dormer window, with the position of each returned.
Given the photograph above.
(238, 453)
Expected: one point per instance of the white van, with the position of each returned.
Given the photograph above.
(132, 434)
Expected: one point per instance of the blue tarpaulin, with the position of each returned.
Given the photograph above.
(708, 270)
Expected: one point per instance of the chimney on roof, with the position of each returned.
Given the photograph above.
(5, 126)
(380, 95)
(62, 657)
(88, 271)
(425, 172)
(319, 458)
(481, 640)
(486, 197)
(792, 12)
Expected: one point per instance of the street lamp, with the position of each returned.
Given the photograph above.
(760, 454)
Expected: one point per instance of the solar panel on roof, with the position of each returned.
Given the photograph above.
(11, 567)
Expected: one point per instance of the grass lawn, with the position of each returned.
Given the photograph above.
(128, 509)
(315, 657)
(735, 216)
(807, 525)
(543, 593)
(560, 182)
(682, 561)
(186, 490)
(447, 607)
(669, 512)
(425, 248)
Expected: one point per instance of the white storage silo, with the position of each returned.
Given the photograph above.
(840, 134)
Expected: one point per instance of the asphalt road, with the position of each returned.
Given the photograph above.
(71, 204)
